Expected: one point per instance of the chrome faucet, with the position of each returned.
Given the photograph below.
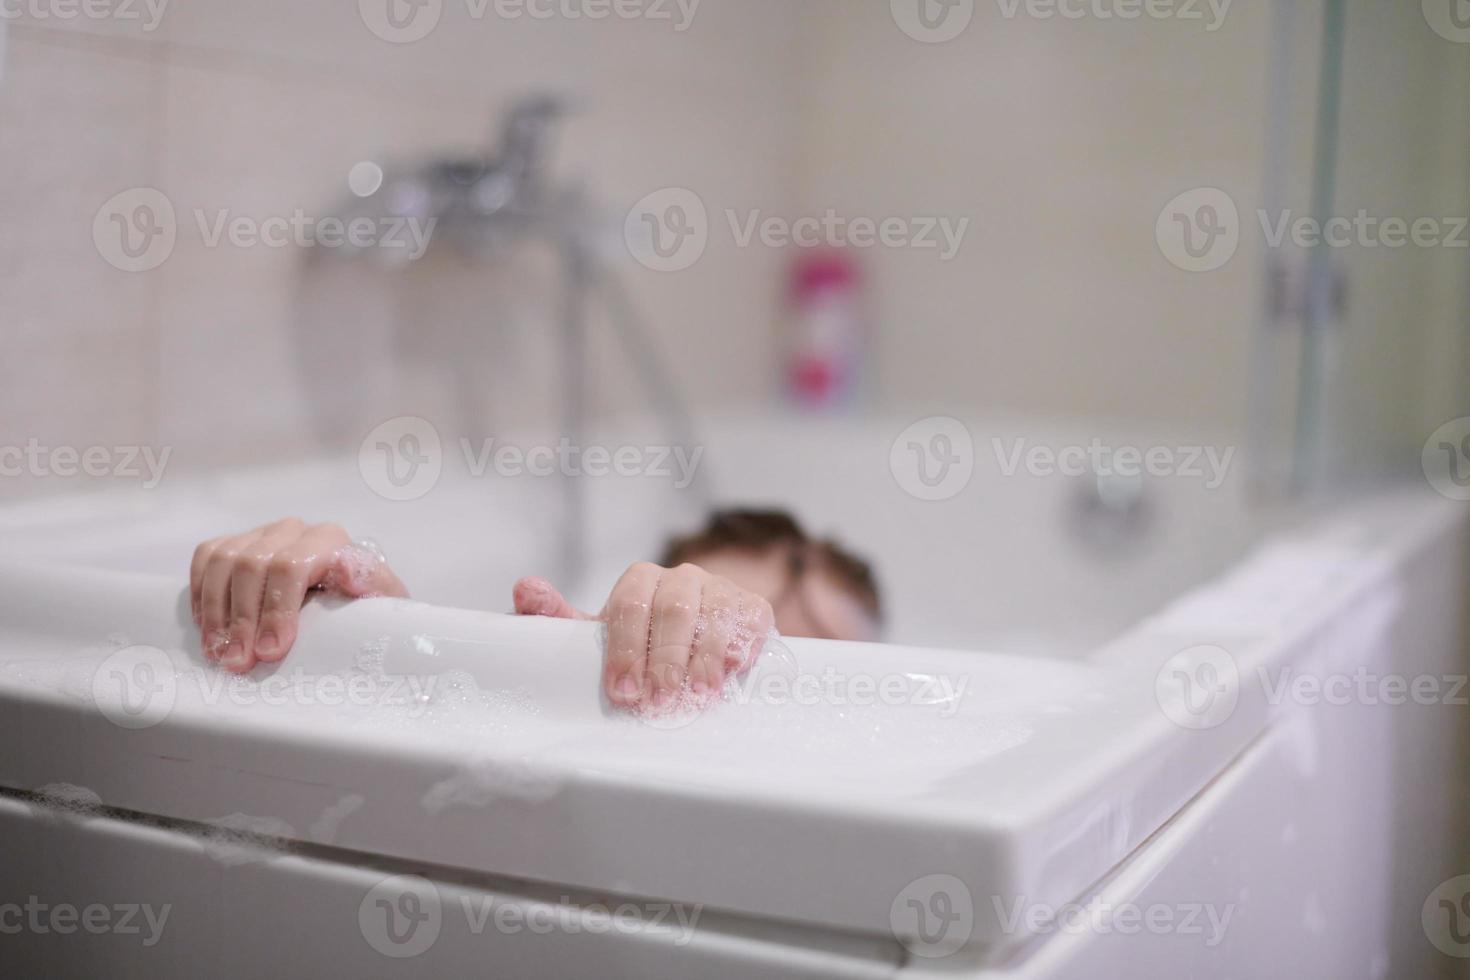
(485, 205)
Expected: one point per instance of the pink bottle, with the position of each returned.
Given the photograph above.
(827, 332)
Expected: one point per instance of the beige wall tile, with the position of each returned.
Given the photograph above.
(76, 126)
(258, 144)
(121, 20)
(1061, 142)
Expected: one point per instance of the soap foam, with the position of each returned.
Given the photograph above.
(239, 838)
(353, 568)
(687, 705)
(324, 828)
(66, 802)
(485, 780)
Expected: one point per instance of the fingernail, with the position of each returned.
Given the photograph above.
(628, 688)
(237, 659)
(266, 644)
(215, 644)
(662, 698)
(700, 688)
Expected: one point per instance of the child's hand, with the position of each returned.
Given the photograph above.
(245, 591)
(669, 631)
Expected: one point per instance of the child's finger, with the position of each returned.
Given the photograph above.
(535, 596)
(214, 594)
(247, 589)
(671, 639)
(196, 576)
(628, 612)
(356, 571)
(712, 639)
(292, 572)
(754, 623)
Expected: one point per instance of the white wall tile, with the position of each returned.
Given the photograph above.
(75, 128)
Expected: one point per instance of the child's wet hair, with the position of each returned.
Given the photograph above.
(760, 531)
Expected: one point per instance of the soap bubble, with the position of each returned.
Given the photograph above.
(66, 802)
(240, 838)
(365, 178)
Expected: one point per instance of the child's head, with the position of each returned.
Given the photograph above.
(816, 587)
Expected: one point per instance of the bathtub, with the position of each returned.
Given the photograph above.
(1090, 745)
